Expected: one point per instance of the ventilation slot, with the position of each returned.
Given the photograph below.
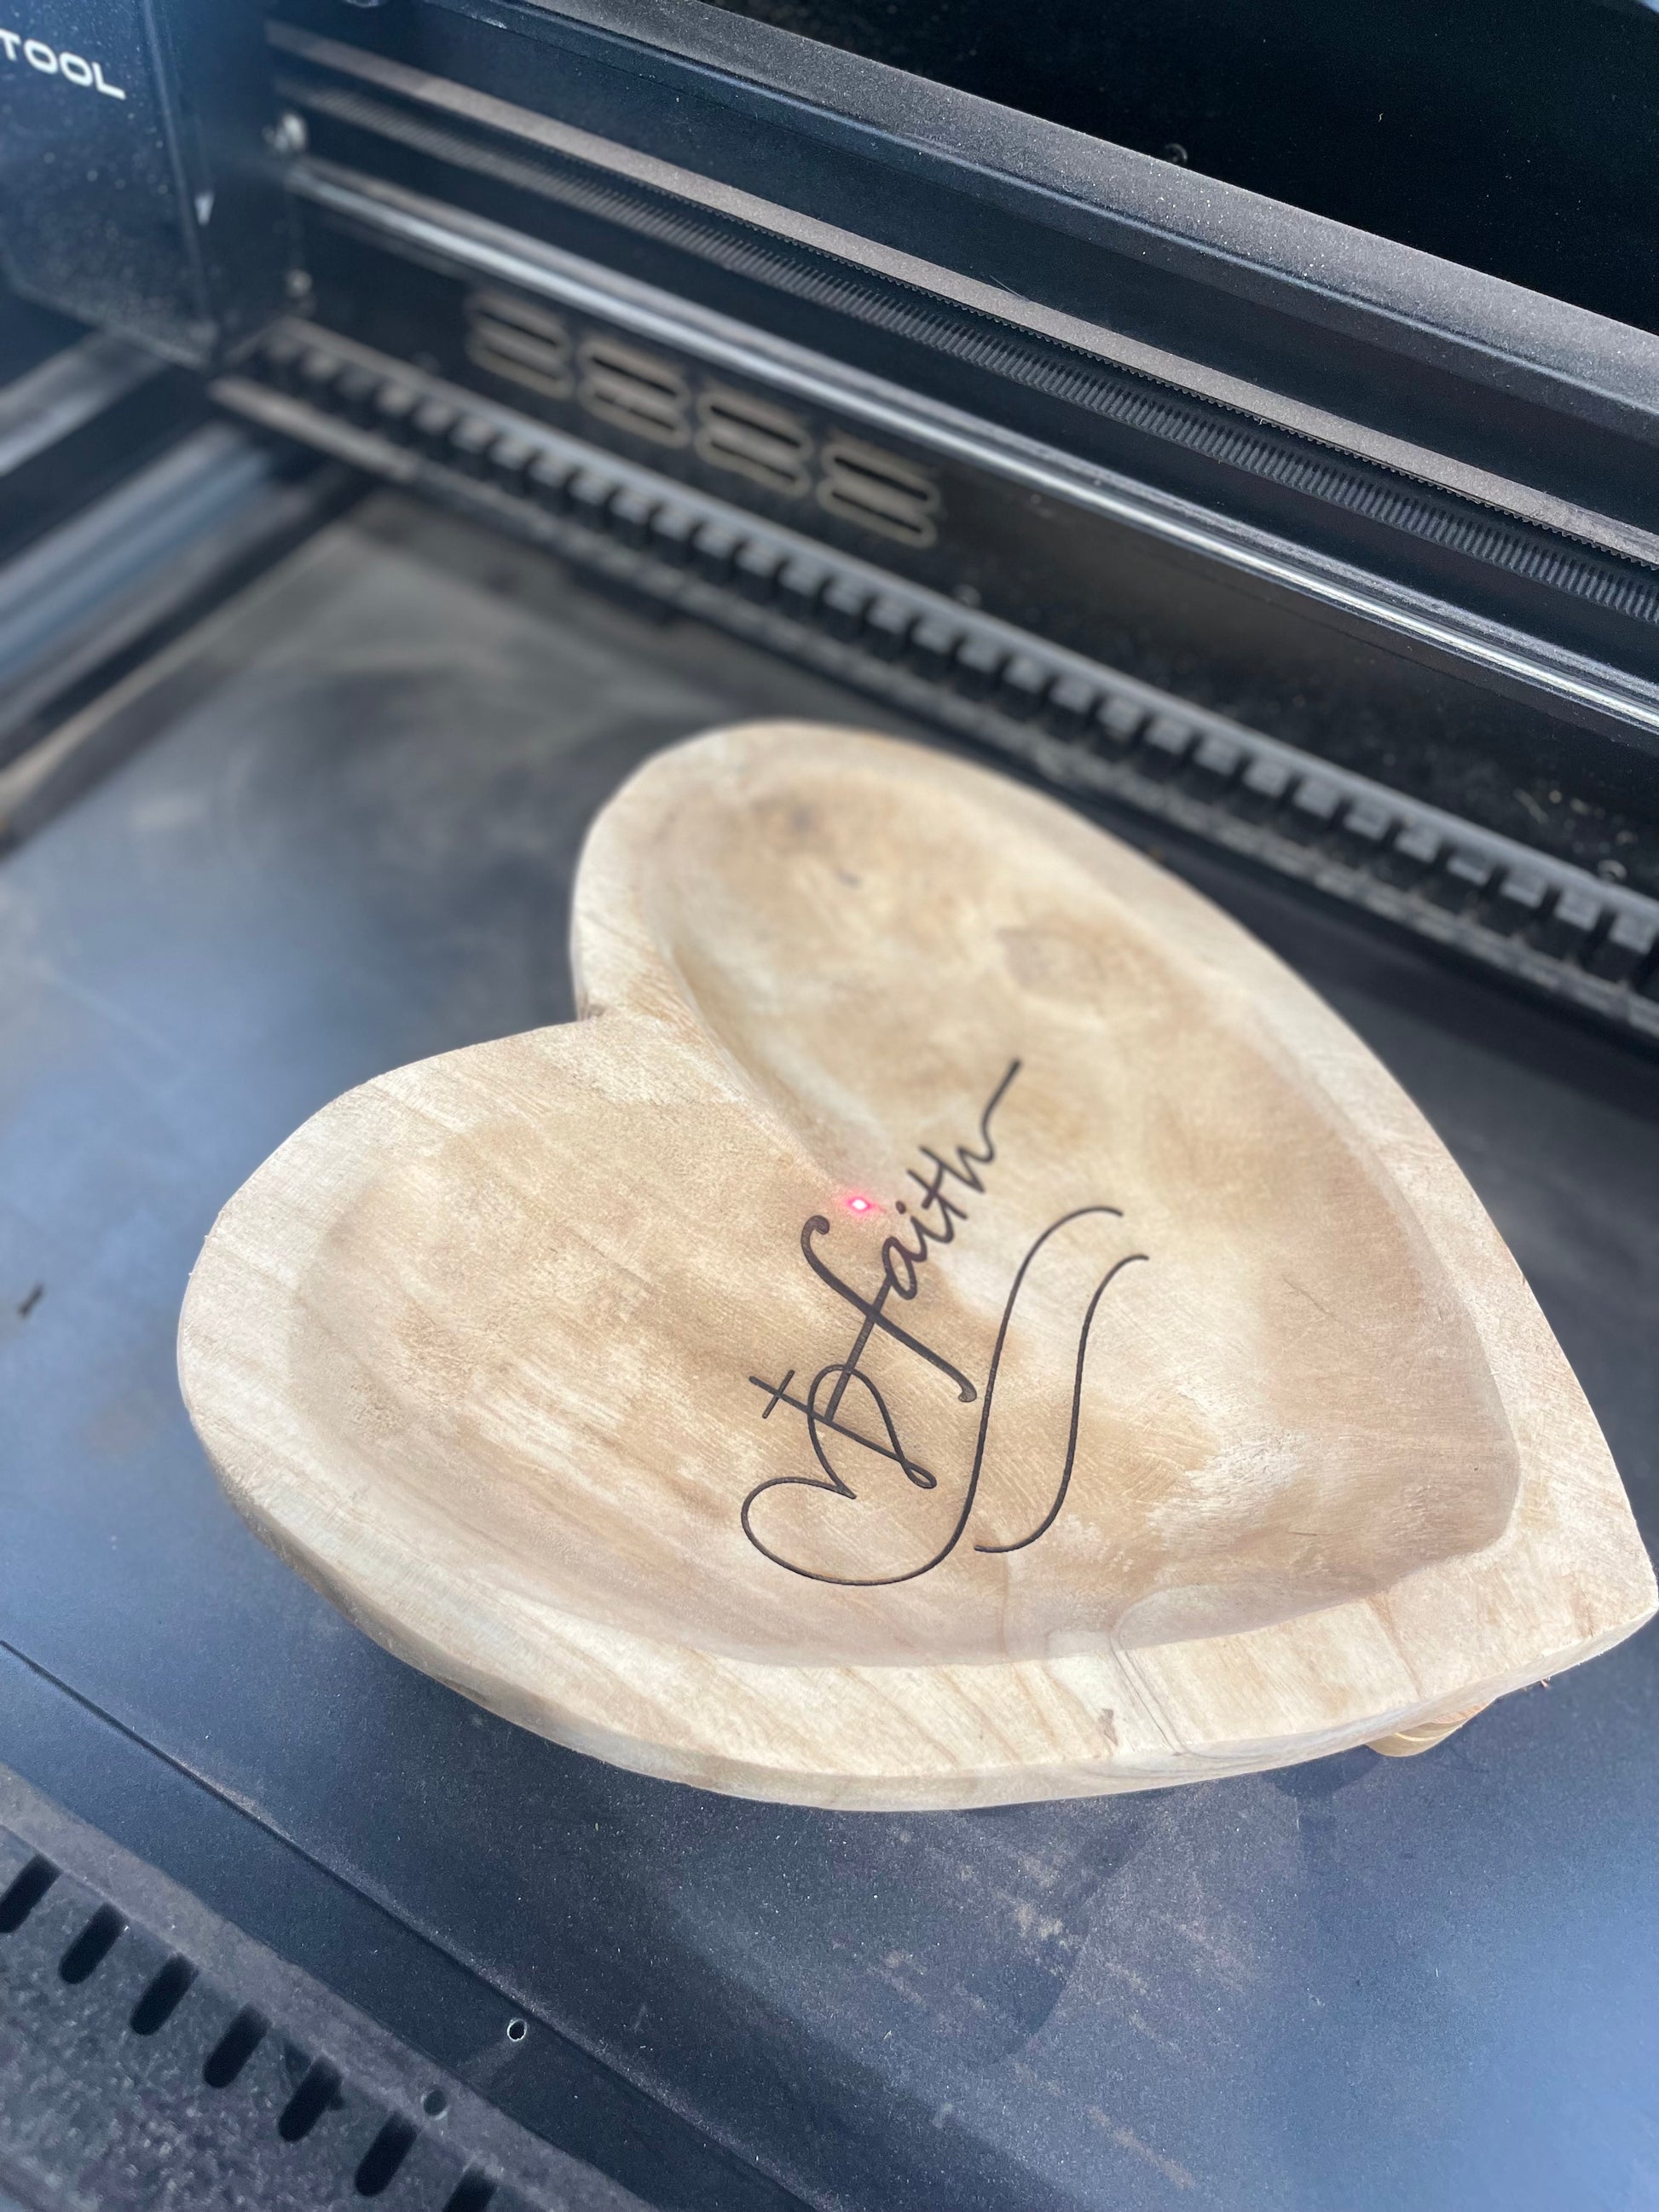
(637, 391)
(234, 2048)
(319, 2089)
(472, 2193)
(766, 444)
(163, 1997)
(24, 1892)
(879, 492)
(93, 1945)
(384, 2156)
(517, 339)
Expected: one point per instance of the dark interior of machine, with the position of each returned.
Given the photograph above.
(1518, 137)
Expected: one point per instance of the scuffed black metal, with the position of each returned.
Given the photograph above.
(139, 189)
(151, 2054)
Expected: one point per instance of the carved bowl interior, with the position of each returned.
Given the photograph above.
(1122, 1324)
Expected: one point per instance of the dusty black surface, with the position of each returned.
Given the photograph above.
(151, 2053)
(1357, 1984)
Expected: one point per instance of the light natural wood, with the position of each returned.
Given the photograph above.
(698, 1383)
(1407, 1742)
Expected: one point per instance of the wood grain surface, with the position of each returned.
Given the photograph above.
(954, 1321)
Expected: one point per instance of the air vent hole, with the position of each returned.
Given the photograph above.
(472, 2193)
(93, 1945)
(766, 444)
(637, 391)
(24, 1892)
(516, 338)
(234, 2048)
(384, 2156)
(879, 491)
(318, 2090)
(163, 1997)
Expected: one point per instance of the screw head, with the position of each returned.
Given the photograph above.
(287, 136)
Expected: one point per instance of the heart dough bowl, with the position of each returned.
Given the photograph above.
(954, 1321)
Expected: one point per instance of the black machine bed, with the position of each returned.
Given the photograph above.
(348, 842)
(412, 415)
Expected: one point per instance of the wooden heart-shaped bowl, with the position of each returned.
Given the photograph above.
(953, 1320)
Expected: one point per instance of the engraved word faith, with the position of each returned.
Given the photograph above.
(935, 1218)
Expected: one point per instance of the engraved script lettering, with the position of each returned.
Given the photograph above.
(841, 1402)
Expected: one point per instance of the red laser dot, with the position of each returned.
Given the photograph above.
(859, 1204)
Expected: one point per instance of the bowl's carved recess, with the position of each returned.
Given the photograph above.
(954, 1319)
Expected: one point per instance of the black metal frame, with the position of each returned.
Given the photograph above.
(138, 180)
(1353, 341)
(1087, 728)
